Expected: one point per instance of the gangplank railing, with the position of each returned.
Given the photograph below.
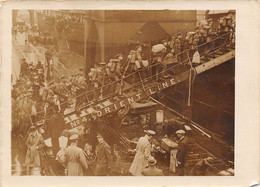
(90, 98)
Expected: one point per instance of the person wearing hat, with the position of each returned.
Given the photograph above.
(179, 47)
(152, 170)
(143, 153)
(202, 167)
(183, 149)
(34, 144)
(74, 158)
(104, 158)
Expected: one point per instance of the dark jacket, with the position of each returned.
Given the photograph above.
(104, 159)
(56, 125)
(182, 152)
(152, 171)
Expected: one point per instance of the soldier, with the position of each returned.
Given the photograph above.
(179, 47)
(135, 58)
(74, 158)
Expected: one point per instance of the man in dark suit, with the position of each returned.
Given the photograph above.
(104, 158)
(152, 170)
(55, 127)
(182, 153)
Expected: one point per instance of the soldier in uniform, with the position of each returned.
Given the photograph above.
(74, 158)
(179, 47)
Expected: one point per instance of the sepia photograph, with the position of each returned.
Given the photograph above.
(123, 92)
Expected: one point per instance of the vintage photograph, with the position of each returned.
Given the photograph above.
(123, 92)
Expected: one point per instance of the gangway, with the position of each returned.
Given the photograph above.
(143, 88)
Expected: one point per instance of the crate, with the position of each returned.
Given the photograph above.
(168, 144)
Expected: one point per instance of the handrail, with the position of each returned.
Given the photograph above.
(106, 96)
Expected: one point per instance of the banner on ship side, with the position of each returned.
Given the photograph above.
(74, 119)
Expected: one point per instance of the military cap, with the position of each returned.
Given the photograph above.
(74, 137)
(164, 40)
(180, 132)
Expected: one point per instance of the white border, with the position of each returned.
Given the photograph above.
(246, 84)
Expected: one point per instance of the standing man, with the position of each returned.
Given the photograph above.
(143, 154)
(94, 123)
(74, 158)
(24, 67)
(182, 152)
(55, 127)
(152, 170)
(104, 158)
(34, 144)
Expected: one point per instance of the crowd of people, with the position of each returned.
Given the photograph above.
(39, 100)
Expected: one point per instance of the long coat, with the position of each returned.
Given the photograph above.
(32, 158)
(75, 160)
(104, 159)
(141, 157)
(183, 152)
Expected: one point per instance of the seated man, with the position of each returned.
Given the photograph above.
(152, 170)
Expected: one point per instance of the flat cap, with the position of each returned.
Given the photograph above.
(180, 132)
